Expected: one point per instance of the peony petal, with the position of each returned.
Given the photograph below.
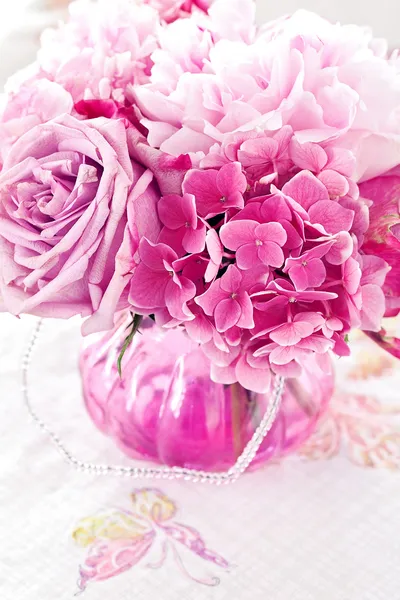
(387, 342)
(374, 270)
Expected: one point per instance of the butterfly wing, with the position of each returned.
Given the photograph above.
(191, 539)
(109, 558)
(112, 525)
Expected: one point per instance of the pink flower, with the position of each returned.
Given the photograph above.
(182, 226)
(374, 272)
(281, 209)
(287, 294)
(261, 156)
(324, 81)
(175, 9)
(312, 195)
(331, 326)
(193, 267)
(308, 270)
(383, 236)
(251, 372)
(215, 251)
(156, 283)
(71, 214)
(228, 302)
(255, 243)
(333, 166)
(302, 326)
(102, 50)
(283, 359)
(351, 276)
(216, 191)
(168, 170)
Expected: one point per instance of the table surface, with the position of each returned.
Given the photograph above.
(322, 525)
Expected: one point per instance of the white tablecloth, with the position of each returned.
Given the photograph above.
(309, 528)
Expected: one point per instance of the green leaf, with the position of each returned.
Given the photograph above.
(134, 327)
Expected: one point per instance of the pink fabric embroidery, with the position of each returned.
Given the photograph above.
(363, 426)
(118, 540)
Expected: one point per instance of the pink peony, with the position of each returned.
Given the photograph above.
(103, 49)
(73, 207)
(170, 10)
(332, 85)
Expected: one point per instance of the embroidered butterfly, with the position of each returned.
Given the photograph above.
(119, 539)
(367, 430)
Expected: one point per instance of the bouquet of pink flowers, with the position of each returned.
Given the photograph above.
(173, 159)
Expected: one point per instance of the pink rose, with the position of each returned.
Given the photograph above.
(73, 206)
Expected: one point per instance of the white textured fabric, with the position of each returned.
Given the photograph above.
(300, 530)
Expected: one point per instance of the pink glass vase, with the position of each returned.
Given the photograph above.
(166, 409)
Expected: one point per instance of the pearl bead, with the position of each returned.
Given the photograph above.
(230, 476)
